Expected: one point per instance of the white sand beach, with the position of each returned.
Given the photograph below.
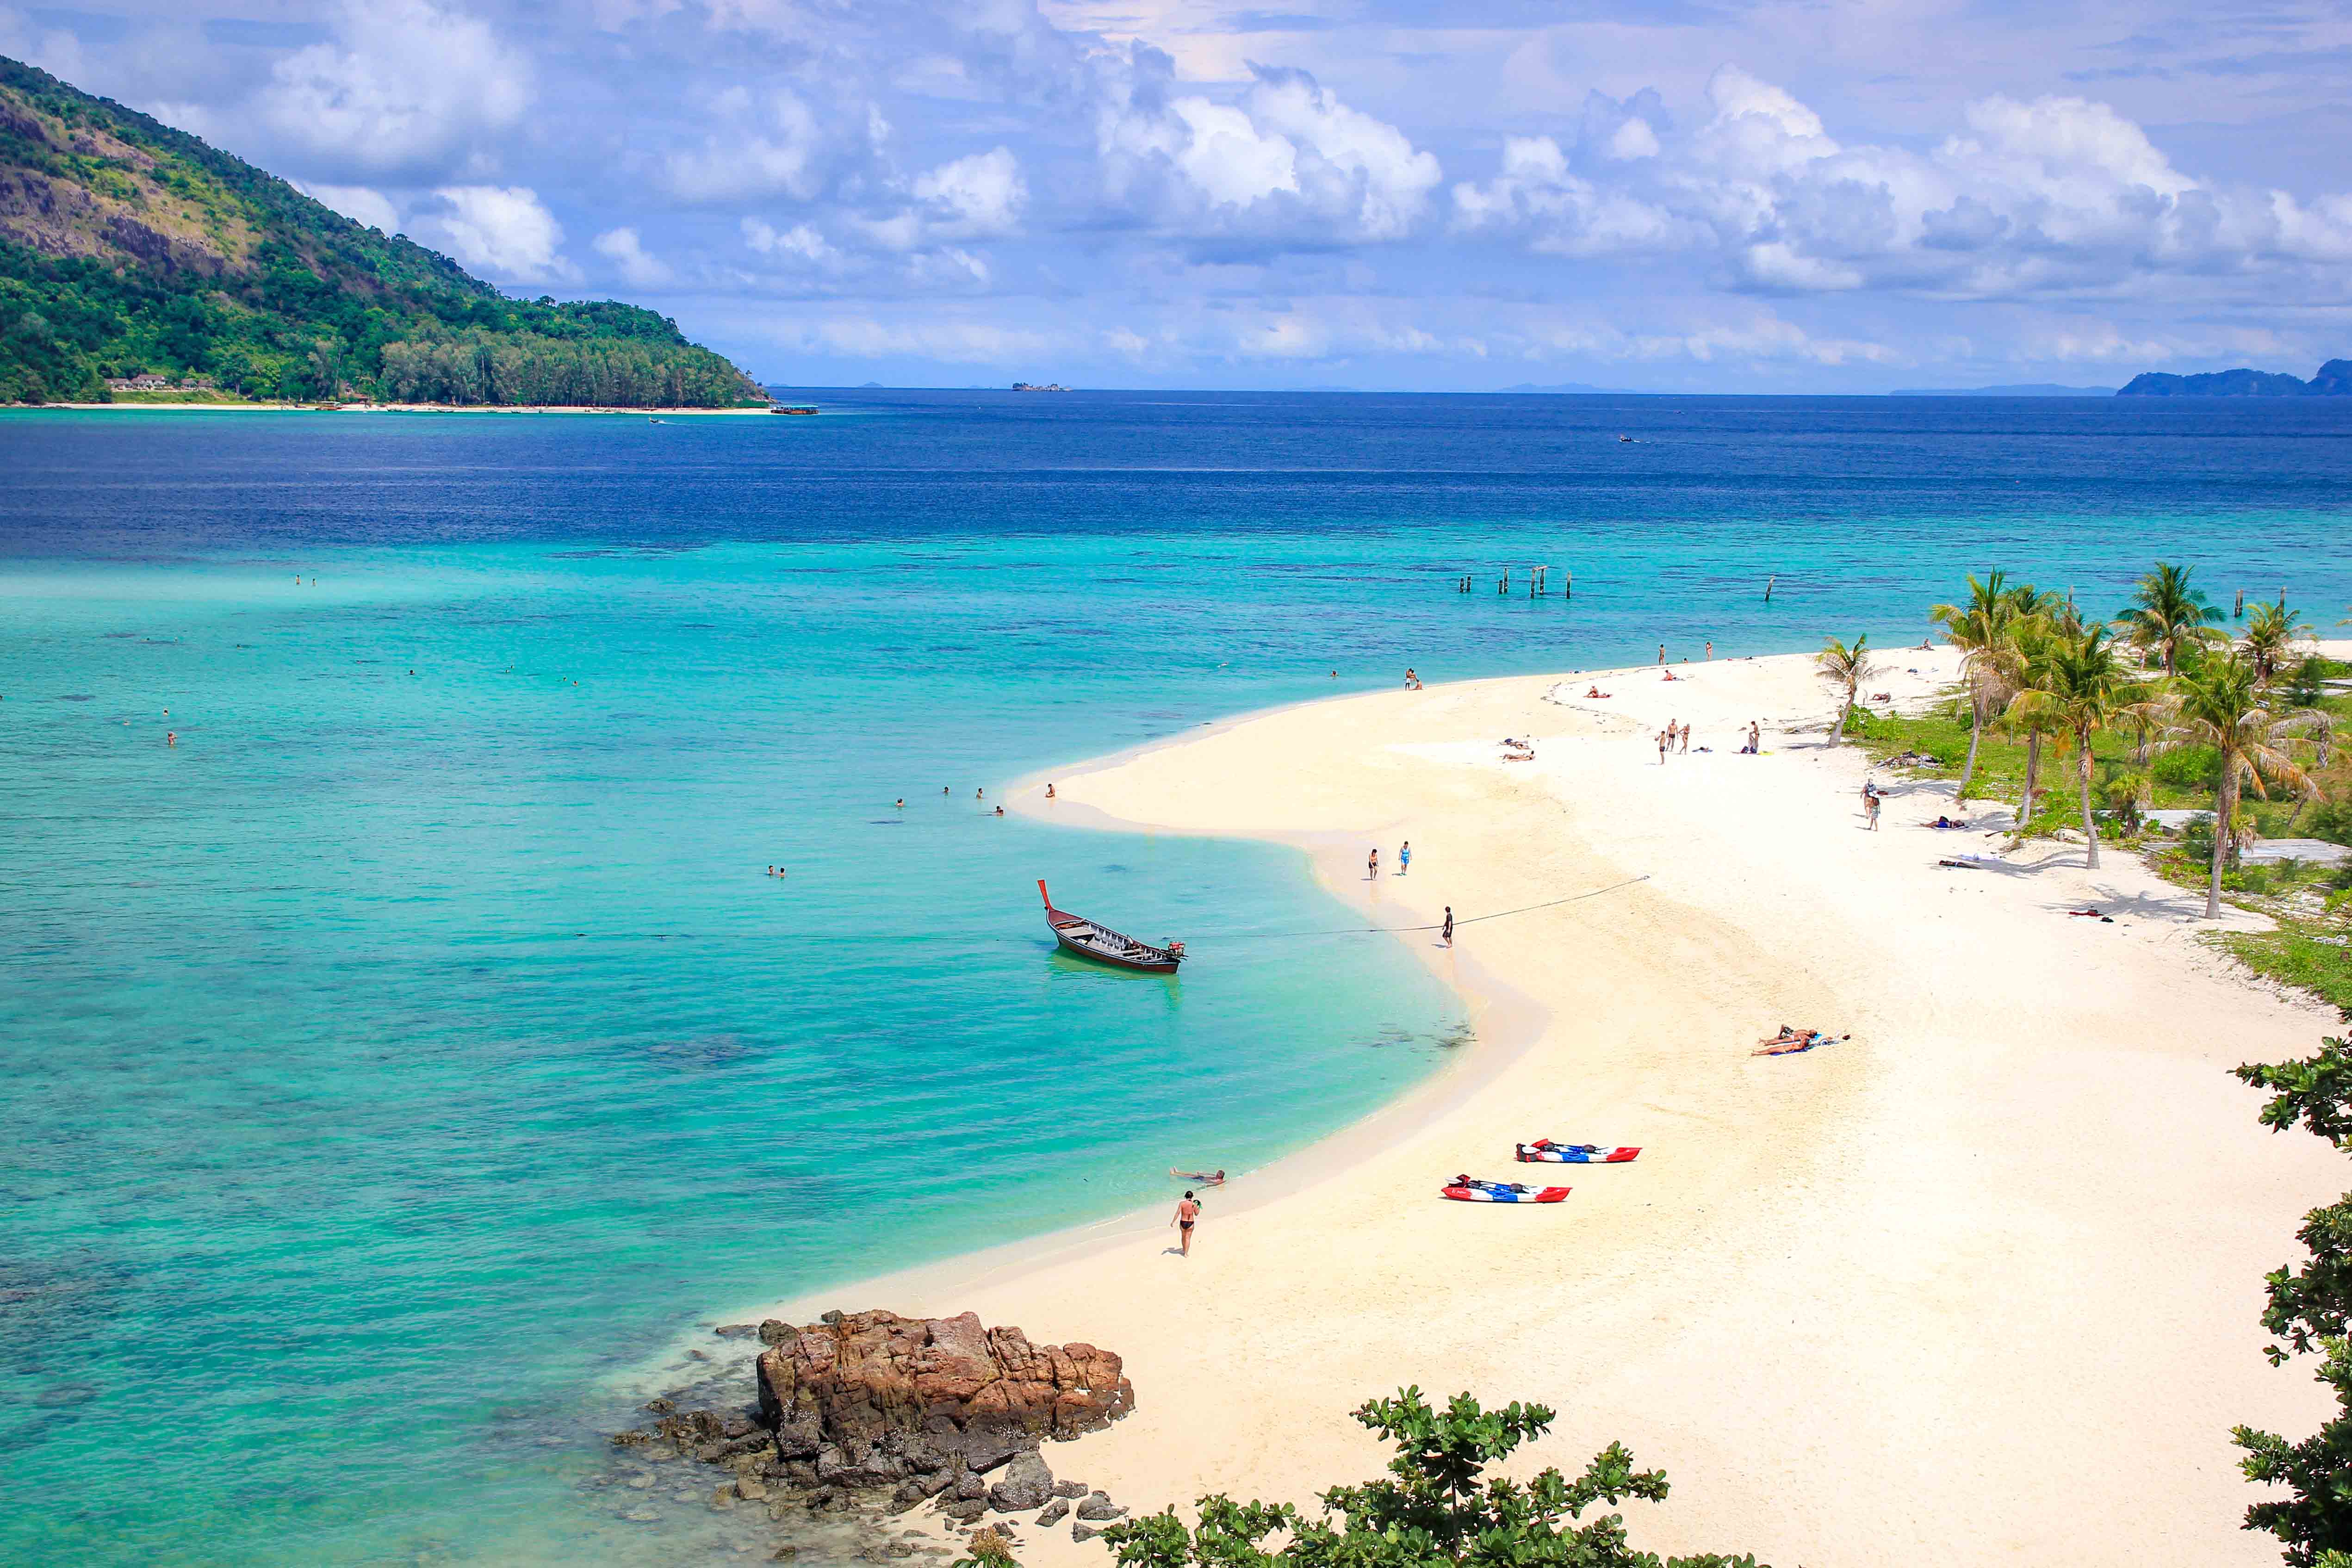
(1978, 1284)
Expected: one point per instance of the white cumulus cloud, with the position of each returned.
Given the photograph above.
(622, 247)
(503, 230)
(360, 203)
(405, 84)
(975, 197)
(2052, 195)
(1288, 164)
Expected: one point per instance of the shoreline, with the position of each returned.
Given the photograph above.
(1625, 1007)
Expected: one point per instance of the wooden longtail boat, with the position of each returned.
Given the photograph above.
(1103, 944)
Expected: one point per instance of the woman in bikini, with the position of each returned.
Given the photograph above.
(1188, 1213)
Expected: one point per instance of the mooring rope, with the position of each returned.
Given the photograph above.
(1466, 920)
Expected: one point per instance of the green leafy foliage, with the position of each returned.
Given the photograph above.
(206, 266)
(1437, 1506)
(2310, 1309)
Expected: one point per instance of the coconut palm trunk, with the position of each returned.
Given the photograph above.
(2083, 782)
(1976, 734)
(2226, 808)
(2033, 777)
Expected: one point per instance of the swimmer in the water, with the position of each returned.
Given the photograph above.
(902, 802)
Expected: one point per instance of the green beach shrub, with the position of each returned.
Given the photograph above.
(2190, 768)
(1436, 1507)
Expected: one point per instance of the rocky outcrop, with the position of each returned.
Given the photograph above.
(866, 1415)
(1027, 1484)
(884, 1396)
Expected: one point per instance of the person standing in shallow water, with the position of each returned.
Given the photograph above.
(1188, 1213)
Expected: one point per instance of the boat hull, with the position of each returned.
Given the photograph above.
(1083, 938)
(1141, 967)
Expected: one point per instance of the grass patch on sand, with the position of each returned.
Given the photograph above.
(2310, 903)
(2319, 963)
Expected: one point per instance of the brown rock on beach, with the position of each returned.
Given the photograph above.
(855, 1379)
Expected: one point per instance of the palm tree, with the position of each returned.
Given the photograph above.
(2221, 704)
(1981, 629)
(2166, 613)
(2042, 619)
(1844, 670)
(2271, 636)
(2127, 796)
(2080, 689)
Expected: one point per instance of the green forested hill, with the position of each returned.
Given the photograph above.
(131, 249)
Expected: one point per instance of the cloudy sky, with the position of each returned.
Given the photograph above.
(1726, 195)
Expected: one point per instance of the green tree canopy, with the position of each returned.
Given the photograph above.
(1437, 1507)
(2310, 1308)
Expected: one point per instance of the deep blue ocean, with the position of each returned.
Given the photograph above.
(416, 1049)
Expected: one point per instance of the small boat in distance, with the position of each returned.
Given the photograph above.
(1088, 940)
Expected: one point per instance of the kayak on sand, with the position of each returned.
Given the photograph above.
(1501, 1192)
(1549, 1152)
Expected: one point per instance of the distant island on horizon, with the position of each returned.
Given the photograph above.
(1571, 388)
(2333, 379)
(2024, 388)
(140, 265)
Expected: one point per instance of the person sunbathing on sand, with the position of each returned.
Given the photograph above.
(1670, 674)
(1594, 692)
(1946, 823)
(1790, 1041)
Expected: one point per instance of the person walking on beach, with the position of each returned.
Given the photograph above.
(1188, 1213)
(1683, 745)
(1665, 737)
(1870, 810)
(1445, 932)
(1404, 857)
(1372, 866)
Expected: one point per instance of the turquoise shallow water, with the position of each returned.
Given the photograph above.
(417, 1044)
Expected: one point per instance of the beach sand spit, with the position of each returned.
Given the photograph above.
(1978, 1284)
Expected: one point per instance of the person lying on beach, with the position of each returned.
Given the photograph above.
(1670, 675)
(1947, 822)
(1595, 692)
(1789, 1045)
(1206, 1178)
(2093, 913)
